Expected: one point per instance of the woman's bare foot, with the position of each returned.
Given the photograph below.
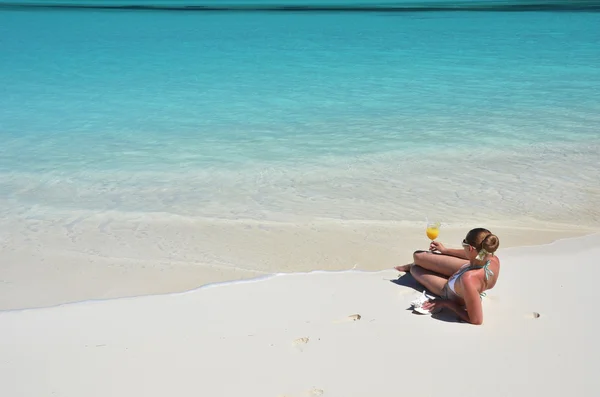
(404, 268)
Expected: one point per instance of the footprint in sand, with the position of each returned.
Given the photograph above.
(300, 343)
(352, 317)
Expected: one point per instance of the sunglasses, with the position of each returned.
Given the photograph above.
(465, 244)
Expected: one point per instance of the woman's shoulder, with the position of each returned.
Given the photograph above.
(494, 268)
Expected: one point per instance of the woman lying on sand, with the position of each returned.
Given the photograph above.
(458, 283)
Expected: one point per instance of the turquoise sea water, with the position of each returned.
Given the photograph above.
(279, 115)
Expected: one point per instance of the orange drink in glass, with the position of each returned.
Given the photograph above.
(433, 230)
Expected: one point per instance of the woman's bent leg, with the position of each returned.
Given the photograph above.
(432, 282)
(443, 264)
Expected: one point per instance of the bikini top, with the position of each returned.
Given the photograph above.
(486, 269)
(488, 272)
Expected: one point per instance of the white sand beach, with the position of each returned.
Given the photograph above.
(291, 335)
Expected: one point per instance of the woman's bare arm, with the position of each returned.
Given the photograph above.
(458, 253)
(472, 299)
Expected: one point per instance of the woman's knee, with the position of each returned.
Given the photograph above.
(418, 256)
(416, 270)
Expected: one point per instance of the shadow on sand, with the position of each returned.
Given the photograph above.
(408, 281)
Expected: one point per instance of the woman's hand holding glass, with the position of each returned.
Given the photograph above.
(437, 246)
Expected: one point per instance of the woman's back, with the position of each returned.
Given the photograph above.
(485, 277)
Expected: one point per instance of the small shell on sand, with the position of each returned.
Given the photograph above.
(355, 317)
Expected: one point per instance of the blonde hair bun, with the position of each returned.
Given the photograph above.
(490, 243)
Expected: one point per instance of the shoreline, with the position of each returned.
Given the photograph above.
(310, 342)
(85, 265)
